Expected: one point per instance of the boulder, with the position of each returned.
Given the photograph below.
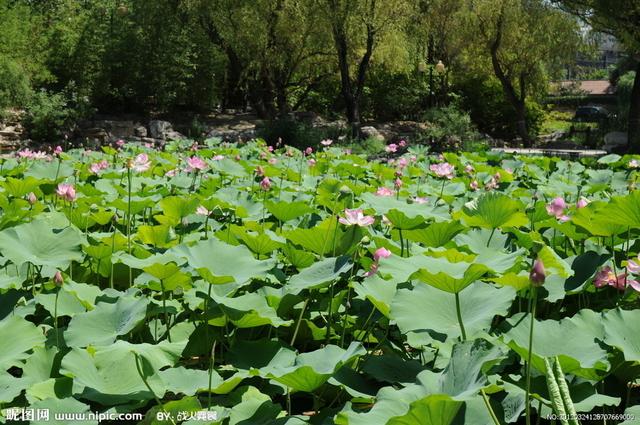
(159, 128)
(370, 132)
(140, 131)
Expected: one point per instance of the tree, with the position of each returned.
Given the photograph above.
(357, 27)
(524, 42)
(620, 18)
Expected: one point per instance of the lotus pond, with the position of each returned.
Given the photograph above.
(275, 286)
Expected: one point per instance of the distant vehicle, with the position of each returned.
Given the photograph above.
(591, 114)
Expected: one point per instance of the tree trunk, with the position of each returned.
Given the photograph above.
(233, 96)
(634, 114)
(518, 103)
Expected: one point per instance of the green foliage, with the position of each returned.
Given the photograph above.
(489, 110)
(449, 130)
(296, 133)
(253, 302)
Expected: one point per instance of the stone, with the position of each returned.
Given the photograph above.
(370, 132)
(158, 128)
(140, 131)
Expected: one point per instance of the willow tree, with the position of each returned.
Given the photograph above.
(523, 42)
(358, 27)
(620, 18)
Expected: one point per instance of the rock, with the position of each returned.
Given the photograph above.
(370, 132)
(158, 128)
(94, 133)
(172, 135)
(140, 131)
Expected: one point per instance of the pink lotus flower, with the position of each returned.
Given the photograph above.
(402, 162)
(40, 155)
(384, 191)
(473, 185)
(196, 164)
(492, 184)
(272, 161)
(607, 277)
(120, 143)
(402, 143)
(420, 200)
(171, 173)
(326, 142)
(582, 202)
(57, 150)
(633, 266)
(556, 207)
(397, 183)
(308, 151)
(141, 163)
(634, 163)
(381, 253)
(356, 218)
(413, 158)
(265, 184)
(96, 167)
(373, 270)
(31, 197)
(537, 275)
(218, 157)
(270, 148)
(311, 162)
(66, 191)
(469, 169)
(202, 211)
(25, 153)
(391, 148)
(443, 169)
(347, 151)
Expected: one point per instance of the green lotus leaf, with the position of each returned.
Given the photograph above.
(21, 336)
(42, 244)
(494, 210)
(103, 324)
(286, 211)
(318, 275)
(225, 262)
(574, 340)
(428, 310)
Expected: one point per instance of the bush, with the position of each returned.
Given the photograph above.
(490, 111)
(297, 134)
(395, 96)
(15, 88)
(450, 129)
(50, 115)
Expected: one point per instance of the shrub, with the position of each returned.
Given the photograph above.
(50, 115)
(297, 134)
(15, 88)
(450, 129)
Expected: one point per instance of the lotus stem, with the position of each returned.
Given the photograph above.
(295, 332)
(460, 322)
(146, 384)
(211, 365)
(55, 319)
(533, 301)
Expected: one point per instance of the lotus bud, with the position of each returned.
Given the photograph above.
(31, 197)
(58, 279)
(537, 275)
(365, 240)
